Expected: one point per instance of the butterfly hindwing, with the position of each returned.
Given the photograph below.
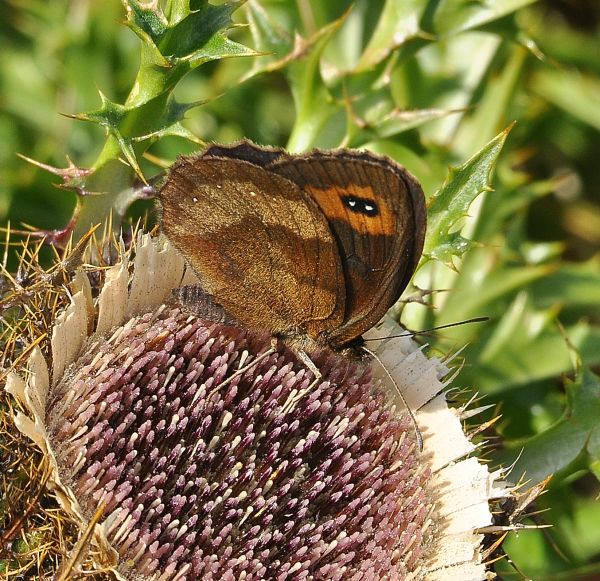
(376, 212)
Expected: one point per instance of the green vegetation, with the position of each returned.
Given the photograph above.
(514, 224)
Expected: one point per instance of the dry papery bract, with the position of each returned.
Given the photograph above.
(197, 464)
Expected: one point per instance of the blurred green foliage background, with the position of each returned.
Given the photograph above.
(428, 83)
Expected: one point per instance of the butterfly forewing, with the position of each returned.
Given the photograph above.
(260, 246)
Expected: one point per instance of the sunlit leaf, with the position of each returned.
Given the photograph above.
(453, 16)
(557, 447)
(398, 22)
(451, 203)
(575, 92)
(492, 104)
(314, 105)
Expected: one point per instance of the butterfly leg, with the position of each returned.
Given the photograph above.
(245, 368)
(303, 356)
(296, 395)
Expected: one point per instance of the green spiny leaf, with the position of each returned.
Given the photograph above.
(146, 20)
(174, 41)
(191, 38)
(126, 146)
(173, 130)
(110, 114)
(451, 203)
(218, 46)
(194, 31)
(135, 121)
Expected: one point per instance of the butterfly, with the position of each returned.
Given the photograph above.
(311, 248)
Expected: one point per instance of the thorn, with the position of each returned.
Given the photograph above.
(78, 116)
(69, 173)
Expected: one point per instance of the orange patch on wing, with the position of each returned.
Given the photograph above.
(330, 200)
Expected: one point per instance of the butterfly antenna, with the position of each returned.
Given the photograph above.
(425, 331)
(399, 391)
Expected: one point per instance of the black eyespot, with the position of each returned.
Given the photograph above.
(360, 205)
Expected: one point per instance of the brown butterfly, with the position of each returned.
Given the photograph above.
(313, 248)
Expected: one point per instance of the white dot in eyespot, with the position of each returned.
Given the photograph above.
(218, 187)
(369, 208)
(352, 203)
(194, 199)
(253, 194)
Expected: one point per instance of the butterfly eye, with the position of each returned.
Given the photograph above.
(360, 205)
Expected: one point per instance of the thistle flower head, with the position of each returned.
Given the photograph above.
(205, 454)
(263, 476)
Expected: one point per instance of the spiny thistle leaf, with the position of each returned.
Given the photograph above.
(218, 46)
(109, 115)
(187, 36)
(147, 119)
(73, 176)
(174, 41)
(197, 29)
(451, 202)
(126, 145)
(174, 130)
(147, 20)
